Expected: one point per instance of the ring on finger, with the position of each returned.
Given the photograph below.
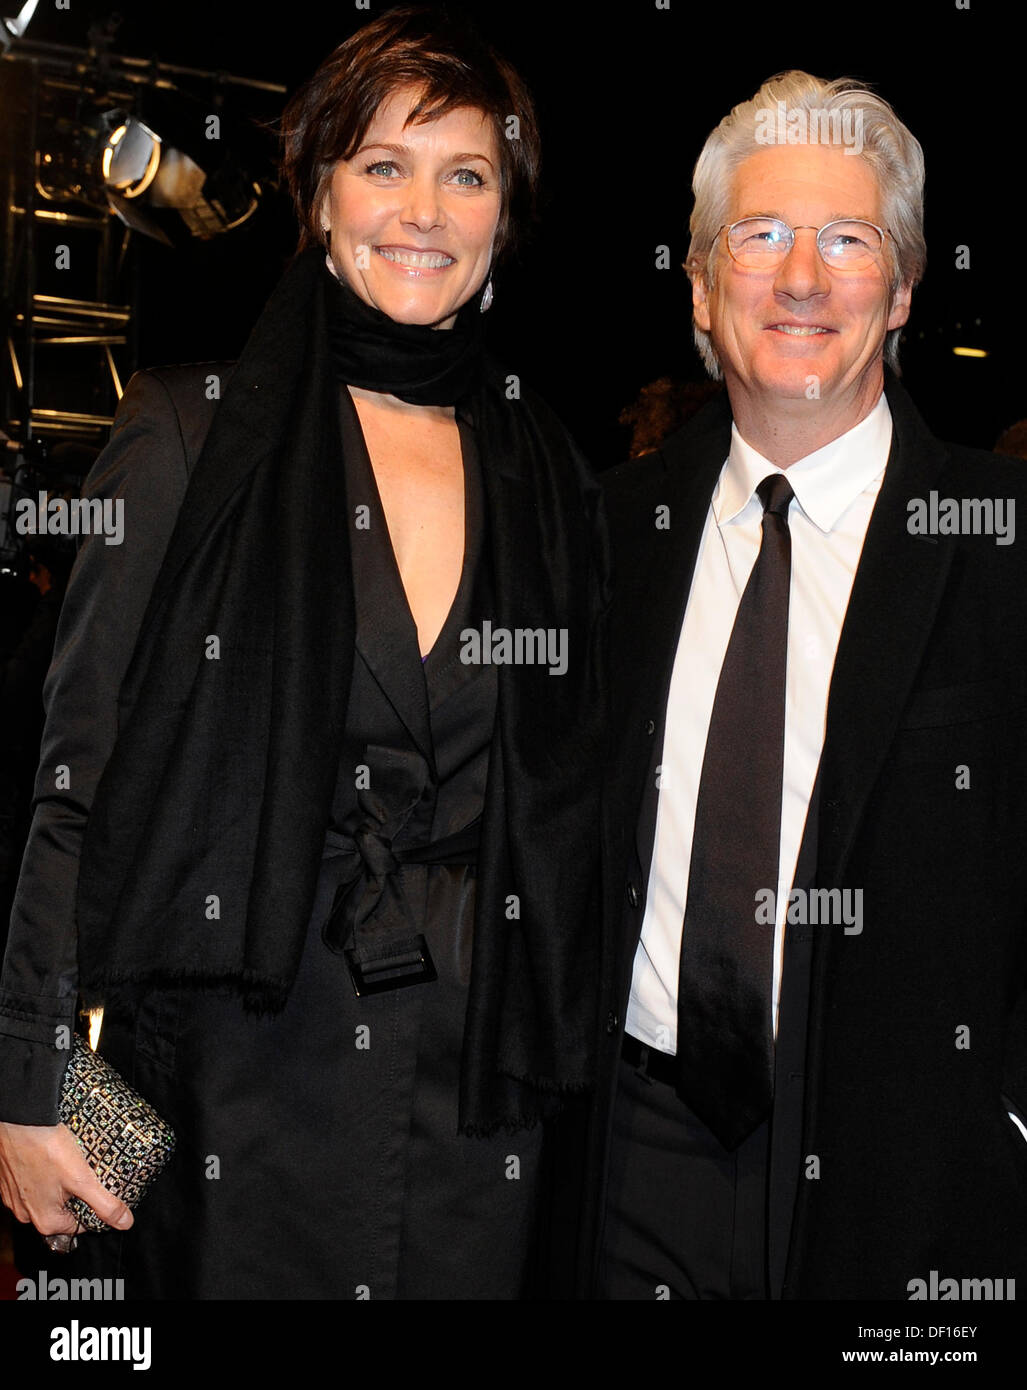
(61, 1244)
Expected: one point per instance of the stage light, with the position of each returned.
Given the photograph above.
(99, 153)
(155, 175)
(179, 183)
(11, 29)
(130, 157)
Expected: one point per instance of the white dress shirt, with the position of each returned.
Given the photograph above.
(835, 489)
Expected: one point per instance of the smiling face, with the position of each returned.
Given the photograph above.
(775, 329)
(413, 215)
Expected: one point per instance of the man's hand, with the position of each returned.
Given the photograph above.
(41, 1166)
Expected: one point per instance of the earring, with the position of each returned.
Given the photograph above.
(327, 234)
(487, 297)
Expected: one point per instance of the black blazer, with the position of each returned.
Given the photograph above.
(916, 1039)
(541, 795)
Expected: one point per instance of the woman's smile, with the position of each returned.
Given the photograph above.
(412, 216)
(418, 262)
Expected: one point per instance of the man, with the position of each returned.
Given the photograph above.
(814, 1020)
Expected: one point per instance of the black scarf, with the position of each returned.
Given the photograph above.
(203, 846)
(422, 365)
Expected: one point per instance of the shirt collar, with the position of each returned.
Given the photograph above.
(825, 483)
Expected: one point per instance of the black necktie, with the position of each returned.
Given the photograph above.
(725, 1054)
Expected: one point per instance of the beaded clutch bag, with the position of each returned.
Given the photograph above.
(125, 1141)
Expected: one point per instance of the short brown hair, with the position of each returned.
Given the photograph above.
(328, 117)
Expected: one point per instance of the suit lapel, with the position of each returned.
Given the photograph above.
(894, 599)
(386, 633)
(652, 576)
(654, 561)
(891, 611)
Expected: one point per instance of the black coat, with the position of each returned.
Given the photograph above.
(920, 1167)
(540, 808)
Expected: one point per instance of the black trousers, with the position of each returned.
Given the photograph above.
(684, 1217)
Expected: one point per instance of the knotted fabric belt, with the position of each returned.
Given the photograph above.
(371, 921)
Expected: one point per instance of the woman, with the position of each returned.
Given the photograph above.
(333, 882)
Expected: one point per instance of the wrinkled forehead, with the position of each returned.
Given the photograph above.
(805, 183)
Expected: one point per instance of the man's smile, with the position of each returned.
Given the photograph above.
(799, 330)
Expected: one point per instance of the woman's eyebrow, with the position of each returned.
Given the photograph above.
(383, 145)
(470, 154)
(405, 149)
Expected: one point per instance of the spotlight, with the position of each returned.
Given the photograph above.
(100, 152)
(201, 186)
(11, 29)
(130, 157)
(161, 176)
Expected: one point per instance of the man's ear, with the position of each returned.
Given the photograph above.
(700, 300)
(900, 304)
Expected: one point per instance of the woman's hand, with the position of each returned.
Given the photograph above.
(41, 1166)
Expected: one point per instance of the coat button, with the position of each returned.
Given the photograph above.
(650, 726)
(612, 1023)
(633, 898)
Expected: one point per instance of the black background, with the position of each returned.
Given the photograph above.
(627, 93)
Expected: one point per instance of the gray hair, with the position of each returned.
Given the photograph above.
(890, 149)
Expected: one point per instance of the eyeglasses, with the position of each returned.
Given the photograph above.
(762, 243)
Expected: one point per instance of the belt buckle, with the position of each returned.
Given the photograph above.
(374, 970)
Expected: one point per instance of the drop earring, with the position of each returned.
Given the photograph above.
(487, 297)
(326, 233)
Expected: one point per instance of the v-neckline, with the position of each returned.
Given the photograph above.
(393, 563)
